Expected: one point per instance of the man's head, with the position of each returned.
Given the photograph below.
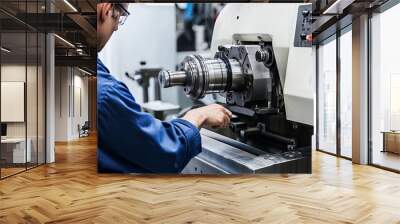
(109, 16)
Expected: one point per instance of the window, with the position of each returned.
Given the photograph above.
(15, 149)
(385, 89)
(335, 94)
(327, 96)
(346, 93)
(22, 77)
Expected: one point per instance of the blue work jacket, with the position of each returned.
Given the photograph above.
(132, 141)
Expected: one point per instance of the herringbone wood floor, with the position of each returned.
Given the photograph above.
(70, 191)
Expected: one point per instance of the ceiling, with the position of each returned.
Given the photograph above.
(74, 21)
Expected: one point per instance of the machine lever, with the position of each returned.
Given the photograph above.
(237, 126)
(249, 132)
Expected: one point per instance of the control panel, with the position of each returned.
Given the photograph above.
(303, 33)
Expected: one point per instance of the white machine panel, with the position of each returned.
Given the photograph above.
(295, 64)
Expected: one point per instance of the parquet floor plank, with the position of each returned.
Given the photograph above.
(71, 191)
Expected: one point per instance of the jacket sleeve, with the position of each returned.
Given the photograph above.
(141, 139)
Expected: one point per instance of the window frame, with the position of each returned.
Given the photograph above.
(332, 36)
(31, 30)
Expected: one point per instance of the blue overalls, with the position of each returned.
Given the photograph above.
(131, 141)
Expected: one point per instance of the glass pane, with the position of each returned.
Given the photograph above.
(327, 97)
(41, 98)
(32, 98)
(23, 88)
(13, 86)
(385, 86)
(346, 94)
(32, 86)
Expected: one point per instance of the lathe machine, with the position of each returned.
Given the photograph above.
(263, 70)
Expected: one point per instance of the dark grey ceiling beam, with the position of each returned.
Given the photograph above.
(78, 61)
(83, 23)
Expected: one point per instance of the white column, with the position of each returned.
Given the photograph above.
(50, 98)
(360, 90)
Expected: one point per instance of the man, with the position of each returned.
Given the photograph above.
(132, 141)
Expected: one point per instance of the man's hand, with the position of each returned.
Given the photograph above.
(213, 115)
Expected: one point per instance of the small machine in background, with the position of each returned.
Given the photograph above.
(195, 24)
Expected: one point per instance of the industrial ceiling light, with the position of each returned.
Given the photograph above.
(84, 71)
(337, 7)
(80, 51)
(65, 41)
(79, 44)
(5, 50)
(70, 5)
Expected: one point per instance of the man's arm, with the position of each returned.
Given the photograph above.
(147, 142)
(212, 115)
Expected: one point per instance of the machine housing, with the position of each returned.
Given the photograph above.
(264, 73)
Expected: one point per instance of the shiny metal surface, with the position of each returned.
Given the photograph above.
(168, 79)
(241, 71)
(222, 157)
(201, 76)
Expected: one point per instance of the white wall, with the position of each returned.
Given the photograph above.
(80, 83)
(69, 82)
(61, 103)
(148, 35)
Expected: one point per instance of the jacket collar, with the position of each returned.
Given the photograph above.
(101, 67)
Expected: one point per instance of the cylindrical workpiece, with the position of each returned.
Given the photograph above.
(201, 76)
(169, 79)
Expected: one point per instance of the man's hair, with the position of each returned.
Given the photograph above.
(123, 5)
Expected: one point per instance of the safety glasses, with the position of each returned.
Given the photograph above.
(121, 12)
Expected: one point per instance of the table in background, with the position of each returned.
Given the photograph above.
(391, 141)
(13, 151)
